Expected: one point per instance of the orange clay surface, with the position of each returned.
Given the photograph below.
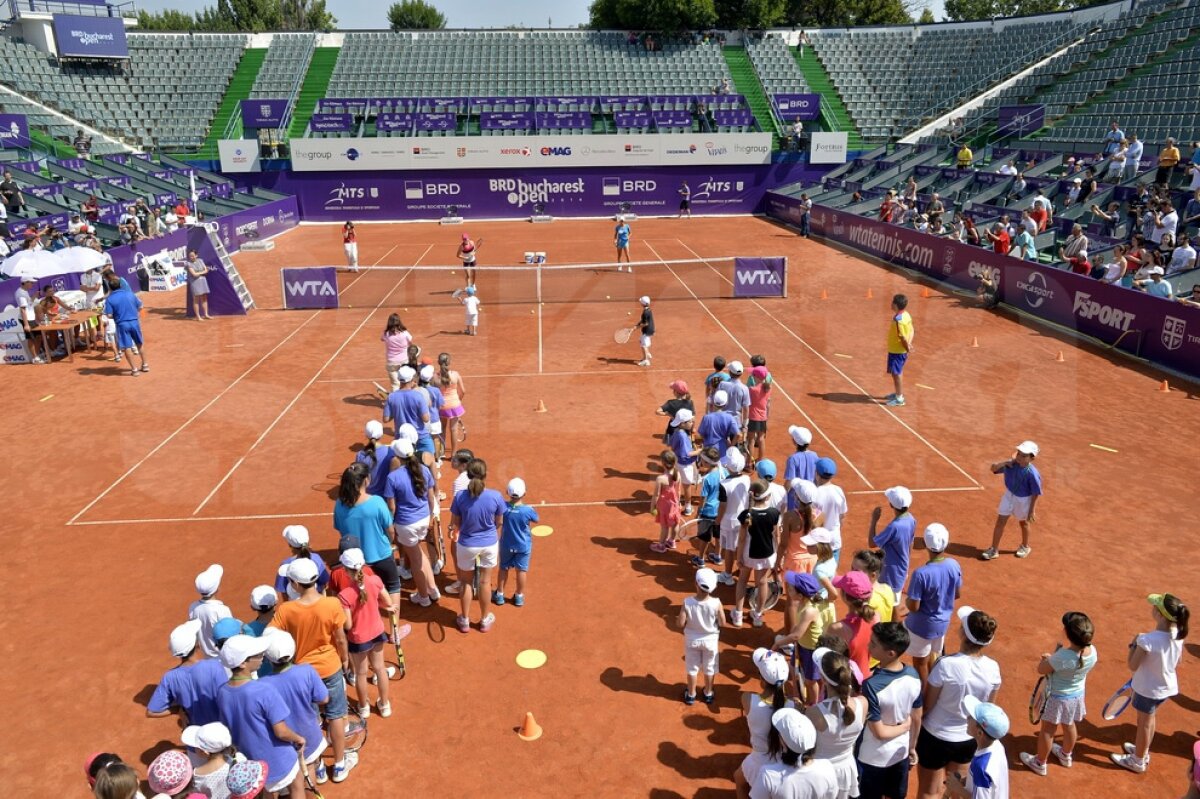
(120, 490)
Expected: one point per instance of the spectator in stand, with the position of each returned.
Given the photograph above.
(182, 210)
(1168, 157)
(935, 209)
(1042, 210)
(1114, 271)
(78, 229)
(1111, 218)
(1192, 299)
(1113, 138)
(888, 205)
(1074, 243)
(958, 228)
(170, 221)
(1191, 211)
(1001, 241)
(1116, 163)
(1184, 256)
(82, 144)
(91, 209)
(902, 213)
(798, 135)
(10, 194)
(965, 157)
(1023, 245)
(1017, 190)
(1073, 192)
(1166, 222)
(910, 192)
(971, 232)
(1087, 185)
(1155, 286)
(1133, 156)
(1078, 262)
(1193, 170)
(1009, 168)
(154, 223)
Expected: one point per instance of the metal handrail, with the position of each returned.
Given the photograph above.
(295, 93)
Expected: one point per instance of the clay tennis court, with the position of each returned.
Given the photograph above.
(121, 490)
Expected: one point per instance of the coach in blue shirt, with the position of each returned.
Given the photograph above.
(123, 306)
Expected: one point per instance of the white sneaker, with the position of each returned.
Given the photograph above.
(454, 588)
(1033, 764)
(1131, 750)
(989, 554)
(1063, 757)
(385, 709)
(437, 567)
(1130, 762)
(405, 574)
(735, 618)
(756, 619)
(725, 578)
(421, 601)
(364, 711)
(340, 773)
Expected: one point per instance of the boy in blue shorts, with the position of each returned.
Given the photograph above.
(516, 542)
(1022, 487)
(712, 473)
(900, 337)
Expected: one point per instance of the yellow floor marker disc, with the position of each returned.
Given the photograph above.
(542, 530)
(531, 658)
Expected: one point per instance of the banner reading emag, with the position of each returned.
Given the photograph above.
(90, 37)
(760, 277)
(309, 287)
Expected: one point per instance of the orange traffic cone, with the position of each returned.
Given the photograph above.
(541, 407)
(925, 293)
(870, 296)
(1165, 388)
(1059, 358)
(824, 294)
(974, 341)
(530, 729)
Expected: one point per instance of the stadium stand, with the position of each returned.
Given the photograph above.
(285, 64)
(776, 66)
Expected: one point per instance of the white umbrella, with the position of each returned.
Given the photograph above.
(77, 260)
(32, 264)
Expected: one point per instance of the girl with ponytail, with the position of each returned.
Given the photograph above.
(476, 516)
(838, 720)
(758, 707)
(452, 411)
(365, 602)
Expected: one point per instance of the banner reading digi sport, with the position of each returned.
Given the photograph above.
(90, 37)
(528, 152)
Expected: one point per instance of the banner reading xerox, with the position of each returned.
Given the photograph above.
(1160, 330)
(90, 37)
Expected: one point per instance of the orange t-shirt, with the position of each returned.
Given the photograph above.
(313, 626)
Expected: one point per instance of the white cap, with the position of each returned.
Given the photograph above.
(374, 429)
(805, 490)
(280, 645)
(1082, 254)
(706, 579)
(427, 372)
(353, 559)
(817, 535)
(644, 300)
(1155, 270)
(682, 416)
(516, 487)
(211, 738)
(185, 638)
(406, 374)
(771, 665)
(403, 447)
(720, 399)
(263, 597)
(963, 614)
(797, 732)
(209, 580)
(1028, 448)
(736, 368)
(240, 648)
(407, 432)
(899, 497)
(296, 535)
(301, 570)
(800, 435)
(1077, 180)
(937, 537)
(734, 460)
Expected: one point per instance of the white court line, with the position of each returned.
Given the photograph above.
(587, 373)
(848, 379)
(262, 437)
(610, 503)
(776, 383)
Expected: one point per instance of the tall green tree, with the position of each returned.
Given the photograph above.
(926, 16)
(847, 13)
(962, 10)
(653, 15)
(254, 16)
(415, 15)
(166, 20)
(750, 14)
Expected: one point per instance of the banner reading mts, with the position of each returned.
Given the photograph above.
(760, 277)
(1020, 120)
(1160, 330)
(527, 152)
(309, 287)
(90, 37)
(14, 131)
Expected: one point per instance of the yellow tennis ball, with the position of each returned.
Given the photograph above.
(532, 310)
(607, 297)
(452, 274)
(629, 313)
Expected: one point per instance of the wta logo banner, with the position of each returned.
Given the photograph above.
(760, 277)
(309, 287)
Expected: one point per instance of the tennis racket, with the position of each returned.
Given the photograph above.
(1117, 703)
(1038, 699)
(400, 668)
(438, 543)
(381, 391)
(477, 577)
(308, 782)
(774, 592)
(356, 732)
(623, 335)
(688, 529)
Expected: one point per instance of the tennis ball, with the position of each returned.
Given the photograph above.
(532, 310)
(451, 273)
(607, 297)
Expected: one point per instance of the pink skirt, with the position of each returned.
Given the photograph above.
(452, 413)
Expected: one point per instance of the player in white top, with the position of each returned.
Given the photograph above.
(471, 305)
(758, 707)
(735, 498)
(830, 501)
(797, 775)
(208, 610)
(838, 720)
(987, 776)
(701, 620)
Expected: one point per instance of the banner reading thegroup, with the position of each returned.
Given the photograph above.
(90, 37)
(14, 131)
(309, 287)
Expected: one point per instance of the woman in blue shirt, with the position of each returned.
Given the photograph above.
(475, 517)
(359, 513)
(410, 492)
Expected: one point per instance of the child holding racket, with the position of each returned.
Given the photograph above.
(363, 603)
(1153, 658)
(646, 323)
(712, 473)
(466, 253)
(801, 464)
(1066, 673)
(471, 307)
(665, 503)
(813, 616)
(516, 542)
(756, 548)
(302, 690)
(700, 618)
(680, 400)
(685, 454)
(396, 340)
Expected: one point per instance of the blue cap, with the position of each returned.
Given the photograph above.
(470, 289)
(803, 582)
(349, 542)
(226, 628)
(826, 467)
(766, 469)
(991, 718)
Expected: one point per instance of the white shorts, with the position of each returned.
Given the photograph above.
(755, 564)
(644, 341)
(729, 533)
(393, 370)
(489, 557)
(701, 654)
(1014, 506)
(472, 320)
(409, 535)
(316, 754)
(753, 765)
(351, 253)
(919, 647)
(434, 428)
(283, 784)
(689, 475)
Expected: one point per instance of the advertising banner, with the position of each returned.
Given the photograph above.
(263, 113)
(331, 123)
(790, 107)
(14, 131)
(828, 148)
(1158, 329)
(533, 152)
(1020, 120)
(90, 37)
(239, 155)
(760, 277)
(309, 287)
(260, 222)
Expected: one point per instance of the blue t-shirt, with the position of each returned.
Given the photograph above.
(406, 406)
(935, 586)
(739, 396)
(515, 536)
(896, 542)
(1022, 481)
(710, 492)
(281, 582)
(802, 465)
(716, 428)
(250, 712)
(369, 521)
(410, 506)
(175, 689)
(436, 401)
(123, 306)
(623, 235)
(301, 688)
(207, 678)
(1160, 288)
(681, 444)
(380, 464)
(478, 515)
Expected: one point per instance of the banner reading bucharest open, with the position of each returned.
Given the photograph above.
(90, 37)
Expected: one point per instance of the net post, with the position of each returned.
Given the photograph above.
(785, 277)
(539, 284)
